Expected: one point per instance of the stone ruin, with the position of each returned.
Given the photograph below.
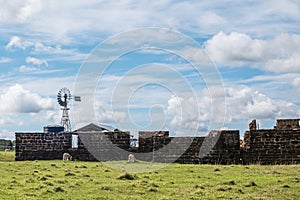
(280, 145)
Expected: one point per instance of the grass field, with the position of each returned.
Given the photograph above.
(58, 179)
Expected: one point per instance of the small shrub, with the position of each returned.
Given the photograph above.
(224, 189)
(49, 183)
(43, 178)
(70, 174)
(59, 189)
(230, 183)
(286, 186)
(217, 169)
(221, 189)
(80, 166)
(153, 190)
(199, 186)
(14, 181)
(127, 177)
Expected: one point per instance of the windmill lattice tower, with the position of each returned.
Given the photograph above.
(63, 98)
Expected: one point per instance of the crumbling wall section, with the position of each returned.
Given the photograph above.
(221, 147)
(271, 147)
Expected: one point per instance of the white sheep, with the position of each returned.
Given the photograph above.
(131, 158)
(67, 156)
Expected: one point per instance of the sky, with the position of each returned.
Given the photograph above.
(136, 67)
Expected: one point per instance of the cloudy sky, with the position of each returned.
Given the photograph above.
(254, 46)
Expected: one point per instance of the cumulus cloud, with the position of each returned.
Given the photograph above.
(246, 103)
(281, 54)
(16, 42)
(242, 103)
(186, 114)
(36, 61)
(16, 99)
(19, 11)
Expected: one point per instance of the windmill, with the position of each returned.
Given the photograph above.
(63, 98)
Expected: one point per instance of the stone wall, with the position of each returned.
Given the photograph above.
(42, 146)
(287, 124)
(219, 147)
(102, 146)
(271, 147)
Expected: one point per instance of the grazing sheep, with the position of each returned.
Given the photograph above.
(6, 150)
(131, 158)
(67, 156)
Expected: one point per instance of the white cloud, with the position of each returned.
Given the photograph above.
(246, 103)
(187, 114)
(281, 54)
(5, 60)
(36, 61)
(106, 116)
(242, 103)
(8, 135)
(24, 69)
(57, 19)
(19, 11)
(5, 120)
(16, 42)
(37, 47)
(16, 99)
(296, 84)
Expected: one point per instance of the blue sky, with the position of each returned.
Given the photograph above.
(255, 46)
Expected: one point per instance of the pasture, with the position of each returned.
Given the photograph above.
(57, 179)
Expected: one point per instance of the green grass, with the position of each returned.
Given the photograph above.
(94, 180)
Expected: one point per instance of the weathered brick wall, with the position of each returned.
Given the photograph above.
(102, 146)
(42, 146)
(287, 124)
(225, 151)
(271, 147)
(220, 148)
(48, 146)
